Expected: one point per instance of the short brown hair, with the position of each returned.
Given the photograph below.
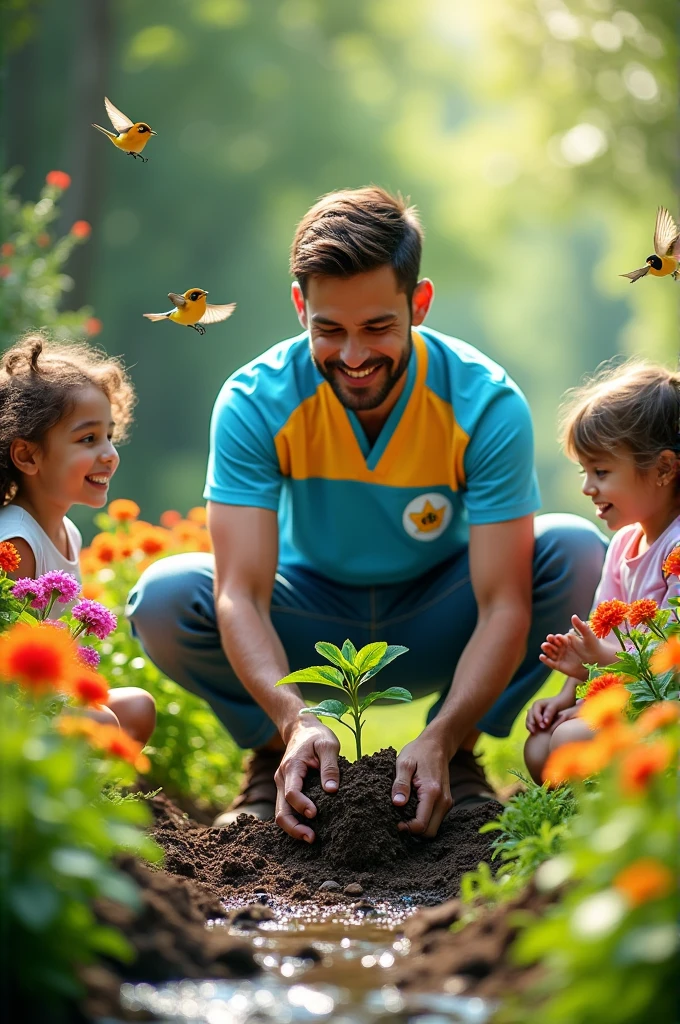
(355, 230)
(37, 381)
(635, 406)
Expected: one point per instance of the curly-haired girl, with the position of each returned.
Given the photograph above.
(61, 409)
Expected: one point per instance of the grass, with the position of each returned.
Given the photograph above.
(396, 725)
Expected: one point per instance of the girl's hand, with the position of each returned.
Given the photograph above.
(543, 713)
(588, 648)
(559, 654)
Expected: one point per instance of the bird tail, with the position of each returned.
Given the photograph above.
(635, 275)
(156, 316)
(105, 131)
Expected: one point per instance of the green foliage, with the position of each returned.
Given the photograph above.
(58, 836)
(32, 278)
(353, 668)
(10, 608)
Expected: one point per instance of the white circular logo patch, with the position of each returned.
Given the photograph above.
(427, 516)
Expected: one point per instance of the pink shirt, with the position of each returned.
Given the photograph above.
(628, 576)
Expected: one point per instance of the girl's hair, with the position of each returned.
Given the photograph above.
(635, 406)
(38, 379)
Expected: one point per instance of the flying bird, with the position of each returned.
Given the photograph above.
(130, 136)
(192, 310)
(666, 255)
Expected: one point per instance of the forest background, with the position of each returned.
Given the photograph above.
(537, 138)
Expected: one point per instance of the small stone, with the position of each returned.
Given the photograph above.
(363, 906)
(353, 889)
(330, 886)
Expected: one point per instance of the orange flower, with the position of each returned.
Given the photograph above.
(60, 179)
(613, 740)
(204, 541)
(81, 229)
(665, 712)
(104, 548)
(7, 249)
(93, 326)
(641, 611)
(76, 725)
(572, 761)
(5, 270)
(644, 880)
(123, 510)
(666, 657)
(607, 616)
(642, 763)
(671, 566)
(605, 708)
(153, 541)
(126, 546)
(198, 515)
(39, 658)
(92, 590)
(10, 559)
(43, 239)
(186, 532)
(170, 518)
(88, 687)
(603, 682)
(117, 743)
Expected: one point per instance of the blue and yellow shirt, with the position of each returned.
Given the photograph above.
(456, 449)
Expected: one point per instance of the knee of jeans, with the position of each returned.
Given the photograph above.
(577, 545)
(156, 601)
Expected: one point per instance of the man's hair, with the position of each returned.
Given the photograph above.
(355, 230)
(634, 406)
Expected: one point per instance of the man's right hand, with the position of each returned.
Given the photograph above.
(310, 745)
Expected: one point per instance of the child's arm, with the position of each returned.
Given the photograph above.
(570, 652)
(27, 565)
(542, 712)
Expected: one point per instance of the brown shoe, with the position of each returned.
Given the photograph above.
(257, 795)
(469, 785)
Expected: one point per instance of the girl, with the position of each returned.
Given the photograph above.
(61, 407)
(623, 427)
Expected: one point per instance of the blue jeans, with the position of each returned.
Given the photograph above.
(172, 612)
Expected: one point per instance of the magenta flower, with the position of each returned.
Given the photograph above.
(95, 619)
(26, 588)
(60, 587)
(89, 656)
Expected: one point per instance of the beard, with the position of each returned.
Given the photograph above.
(373, 395)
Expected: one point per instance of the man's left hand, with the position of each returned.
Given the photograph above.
(424, 765)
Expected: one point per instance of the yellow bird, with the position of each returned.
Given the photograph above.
(192, 310)
(666, 255)
(130, 136)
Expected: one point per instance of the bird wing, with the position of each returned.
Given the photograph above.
(117, 118)
(179, 300)
(214, 314)
(158, 316)
(635, 275)
(665, 233)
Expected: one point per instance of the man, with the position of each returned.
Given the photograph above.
(371, 479)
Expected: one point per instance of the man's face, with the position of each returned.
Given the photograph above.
(360, 332)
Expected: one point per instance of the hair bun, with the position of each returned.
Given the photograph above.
(24, 356)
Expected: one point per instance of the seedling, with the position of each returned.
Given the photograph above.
(350, 670)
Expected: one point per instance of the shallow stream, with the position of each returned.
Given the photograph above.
(326, 963)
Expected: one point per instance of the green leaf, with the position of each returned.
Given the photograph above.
(392, 652)
(397, 693)
(316, 674)
(369, 656)
(349, 651)
(329, 708)
(35, 903)
(336, 657)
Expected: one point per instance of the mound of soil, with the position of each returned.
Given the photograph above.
(357, 840)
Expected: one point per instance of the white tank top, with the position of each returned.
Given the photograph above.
(16, 522)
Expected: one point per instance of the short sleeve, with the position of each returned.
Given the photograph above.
(500, 477)
(243, 468)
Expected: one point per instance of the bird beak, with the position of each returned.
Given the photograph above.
(152, 133)
(205, 293)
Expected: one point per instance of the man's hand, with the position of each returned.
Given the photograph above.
(423, 764)
(310, 745)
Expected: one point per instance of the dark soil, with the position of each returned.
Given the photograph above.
(474, 961)
(357, 840)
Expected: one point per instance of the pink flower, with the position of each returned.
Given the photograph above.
(89, 656)
(25, 588)
(62, 585)
(95, 618)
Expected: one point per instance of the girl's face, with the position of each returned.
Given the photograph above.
(624, 494)
(78, 459)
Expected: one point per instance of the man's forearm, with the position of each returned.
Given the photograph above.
(256, 655)
(493, 654)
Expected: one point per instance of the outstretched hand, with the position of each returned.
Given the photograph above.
(569, 652)
(311, 745)
(424, 765)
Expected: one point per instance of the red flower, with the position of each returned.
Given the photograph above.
(36, 657)
(671, 567)
(170, 518)
(81, 229)
(88, 687)
(642, 763)
(60, 179)
(43, 239)
(93, 325)
(7, 249)
(607, 616)
(603, 682)
(10, 559)
(642, 611)
(5, 271)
